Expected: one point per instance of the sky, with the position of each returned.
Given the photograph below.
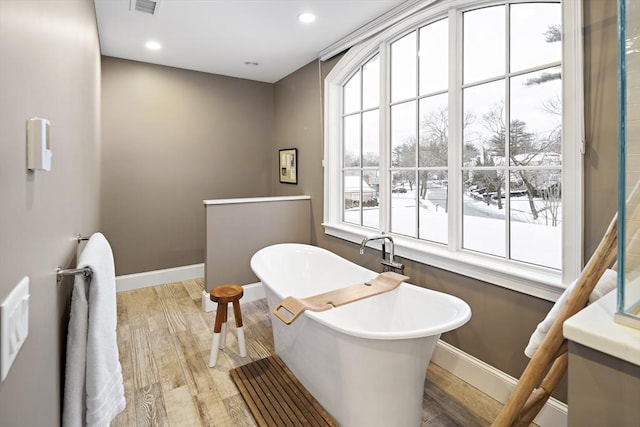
(484, 58)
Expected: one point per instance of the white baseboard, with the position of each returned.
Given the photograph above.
(492, 381)
(129, 282)
(252, 292)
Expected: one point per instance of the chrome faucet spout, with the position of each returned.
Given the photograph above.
(387, 265)
(362, 246)
(382, 237)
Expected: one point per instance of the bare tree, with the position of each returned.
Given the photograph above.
(489, 179)
(552, 199)
(404, 156)
(522, 147)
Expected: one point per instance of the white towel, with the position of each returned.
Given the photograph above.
(94, 389)
(605, 285)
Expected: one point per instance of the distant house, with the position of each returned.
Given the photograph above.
(352, 186)
(539, 159)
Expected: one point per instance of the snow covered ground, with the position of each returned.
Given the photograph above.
(483, 225)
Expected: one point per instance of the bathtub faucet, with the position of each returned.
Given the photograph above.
(390, 265)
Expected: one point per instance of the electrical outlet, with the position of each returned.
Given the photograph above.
(14, 325)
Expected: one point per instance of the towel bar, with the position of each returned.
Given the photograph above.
(86, 271)
(60, 273)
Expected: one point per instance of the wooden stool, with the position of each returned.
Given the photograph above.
(223, 295)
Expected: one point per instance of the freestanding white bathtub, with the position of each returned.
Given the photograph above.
(365, 362)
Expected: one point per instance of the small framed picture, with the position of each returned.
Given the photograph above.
(288, 171)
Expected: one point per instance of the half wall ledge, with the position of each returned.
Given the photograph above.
(237, 228)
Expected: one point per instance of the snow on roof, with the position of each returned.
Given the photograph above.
(352, 184)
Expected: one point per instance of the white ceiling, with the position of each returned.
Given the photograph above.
(219, 36)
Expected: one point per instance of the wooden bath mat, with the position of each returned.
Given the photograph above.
(275, 397)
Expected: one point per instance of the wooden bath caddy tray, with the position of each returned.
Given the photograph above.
(385, 282)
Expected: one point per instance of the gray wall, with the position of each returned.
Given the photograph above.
(236, 231)
(171, 139)
(601, 119)
(603, 390)
(49, 67)
(502, 319)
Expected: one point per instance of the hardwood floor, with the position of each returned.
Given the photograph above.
(164, 340)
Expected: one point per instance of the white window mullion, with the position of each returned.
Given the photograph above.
(361, 149)
(416, 174)
(507, 135)
(385, 140)
(573, 141)
(454, 159)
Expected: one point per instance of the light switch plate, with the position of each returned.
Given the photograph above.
(14, 325)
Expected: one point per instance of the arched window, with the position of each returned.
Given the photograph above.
(459, 132)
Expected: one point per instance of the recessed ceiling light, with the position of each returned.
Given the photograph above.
(306, 17)
(251, 63)
(153, 45)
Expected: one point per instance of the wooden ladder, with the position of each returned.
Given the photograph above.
(533, 390)
(534, 387)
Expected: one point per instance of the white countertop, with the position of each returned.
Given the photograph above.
(254, 200)
(594, 327)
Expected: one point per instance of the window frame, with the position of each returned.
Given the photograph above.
(530, 279)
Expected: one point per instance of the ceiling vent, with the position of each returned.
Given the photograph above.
(144, 6)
